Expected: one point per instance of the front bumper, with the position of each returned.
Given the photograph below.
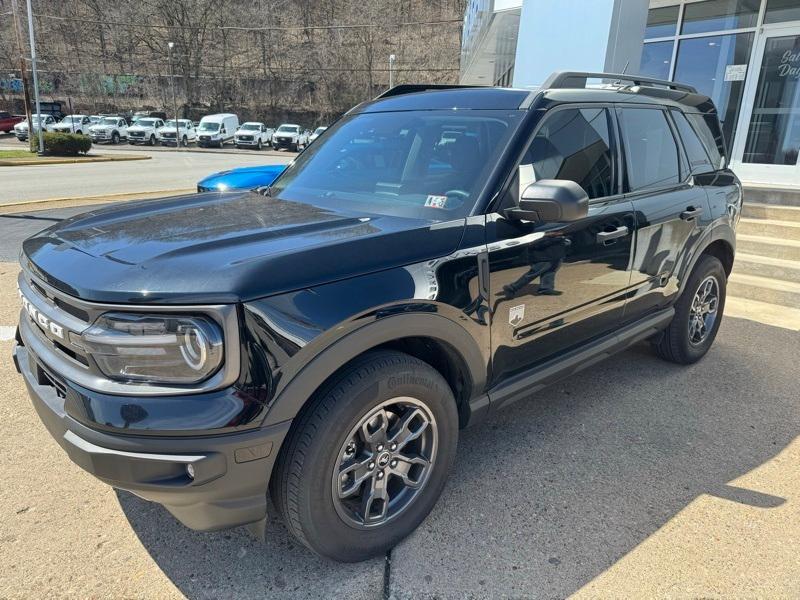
(231, 471)
(241, 142)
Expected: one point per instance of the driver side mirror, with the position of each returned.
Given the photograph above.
(551, 200)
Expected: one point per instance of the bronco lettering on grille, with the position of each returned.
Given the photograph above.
(45, 322)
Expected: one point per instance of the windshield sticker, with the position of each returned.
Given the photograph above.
(434, 201)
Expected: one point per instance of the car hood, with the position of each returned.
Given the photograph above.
(242, 178)
(139, 128)
(223, 248)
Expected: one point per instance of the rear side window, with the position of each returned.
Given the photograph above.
(651, 153)
(699, 161)
(573, 144)
(707, 127)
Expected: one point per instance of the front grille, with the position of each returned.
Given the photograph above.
(205, 138)
(136, 133)
(246, 138)
(168, 136)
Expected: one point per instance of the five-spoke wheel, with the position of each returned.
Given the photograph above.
(385, 462)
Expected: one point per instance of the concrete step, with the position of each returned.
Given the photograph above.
(769, 314)
(753, 210)
(772, 195)
(765, 266)
(763, 289)
(772, 228)
(765, 246)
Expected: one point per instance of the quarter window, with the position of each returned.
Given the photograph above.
(651, 153)
(698, 158)
(573, 144)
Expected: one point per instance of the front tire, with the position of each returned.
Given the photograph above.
(260, 144)
(698, 314)
(368, 458)
(115, 138)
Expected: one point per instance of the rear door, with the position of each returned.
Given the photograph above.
(556, 285)
(670, 210)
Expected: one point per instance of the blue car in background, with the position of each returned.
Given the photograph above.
(243, 178)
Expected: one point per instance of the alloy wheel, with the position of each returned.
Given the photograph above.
(385, 462)
(703, 312)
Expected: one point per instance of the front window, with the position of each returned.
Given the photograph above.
(251, 127)
(108, 121)
(208, 126)
(73, 119)
(288, 129)
(319, 130)
(146, 122)
(426, 164)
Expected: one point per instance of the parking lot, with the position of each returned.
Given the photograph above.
(636, 477)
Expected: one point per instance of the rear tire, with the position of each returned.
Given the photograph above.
(354, 421)
(294, 147)
(698, 314)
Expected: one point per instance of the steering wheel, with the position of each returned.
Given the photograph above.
(347, 163)
(457, 193)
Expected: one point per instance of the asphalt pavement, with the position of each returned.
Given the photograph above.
(164, 171)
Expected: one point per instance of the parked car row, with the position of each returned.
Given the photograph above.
(151, 128)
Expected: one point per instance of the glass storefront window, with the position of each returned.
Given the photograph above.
(656, 58)
(718, 15)
(661, 22)
(704, 63)
(774, 133)
(779, 11)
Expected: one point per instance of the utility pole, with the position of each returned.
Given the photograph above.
(35, 81)
(170, 45)
(23, 68)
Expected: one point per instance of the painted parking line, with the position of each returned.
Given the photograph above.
(7, 332)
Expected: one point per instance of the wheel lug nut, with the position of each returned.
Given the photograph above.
(380, 474)
(393, 447)
(380, 447)
(372, 465)
(344, 476)
(393, 463)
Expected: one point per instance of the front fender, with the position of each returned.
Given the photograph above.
(299, 383)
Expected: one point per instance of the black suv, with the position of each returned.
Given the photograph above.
(439, 254)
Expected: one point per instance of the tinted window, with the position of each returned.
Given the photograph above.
(707, 127)
(661, 22)
(572, 144)
(717, 15)
(650, 150)
(698, 158)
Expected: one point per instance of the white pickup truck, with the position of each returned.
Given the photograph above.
(109, 129)
(290, 136)
(253, 135)
(145, 131)
(168, 136)
(73, 124)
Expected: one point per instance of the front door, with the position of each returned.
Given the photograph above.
(768, 153)
(556, 285)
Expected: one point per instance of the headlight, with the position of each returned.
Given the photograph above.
(155, 348)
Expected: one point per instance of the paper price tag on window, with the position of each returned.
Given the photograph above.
(735, 72)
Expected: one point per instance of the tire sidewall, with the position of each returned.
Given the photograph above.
(708, 265)
(325, 530)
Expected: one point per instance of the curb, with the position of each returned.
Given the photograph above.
(32, 205)
(68, 161)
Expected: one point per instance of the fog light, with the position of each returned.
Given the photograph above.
(190, 470)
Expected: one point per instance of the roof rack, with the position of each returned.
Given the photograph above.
(410, 88)
(577, 79)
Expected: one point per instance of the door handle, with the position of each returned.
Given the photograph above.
(690, 213)
(608, 237)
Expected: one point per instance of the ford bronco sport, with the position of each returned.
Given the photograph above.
(439, 254)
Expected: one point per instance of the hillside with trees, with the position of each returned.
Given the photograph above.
(271, 60)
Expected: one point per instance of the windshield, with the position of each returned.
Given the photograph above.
(251, 126)
(289, 128)
(209, 126)
(425, 164)
(72, 119)
(319, 130)
(146, 122)
(108, 121)
(182, 123)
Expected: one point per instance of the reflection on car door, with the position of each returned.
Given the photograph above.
(556, 285)
(670, 210)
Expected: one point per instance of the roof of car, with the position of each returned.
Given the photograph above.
(451, 97)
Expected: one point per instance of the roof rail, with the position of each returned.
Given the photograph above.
(577, 79)
(410, 88)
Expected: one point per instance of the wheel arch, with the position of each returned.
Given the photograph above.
(434, 339)
(720, 243)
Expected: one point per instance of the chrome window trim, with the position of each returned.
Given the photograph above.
(91, 378)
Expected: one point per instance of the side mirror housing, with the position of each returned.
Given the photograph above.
(551, 200)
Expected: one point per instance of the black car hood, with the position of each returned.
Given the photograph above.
(222, 248)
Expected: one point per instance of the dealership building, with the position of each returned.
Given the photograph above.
(745, 54)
